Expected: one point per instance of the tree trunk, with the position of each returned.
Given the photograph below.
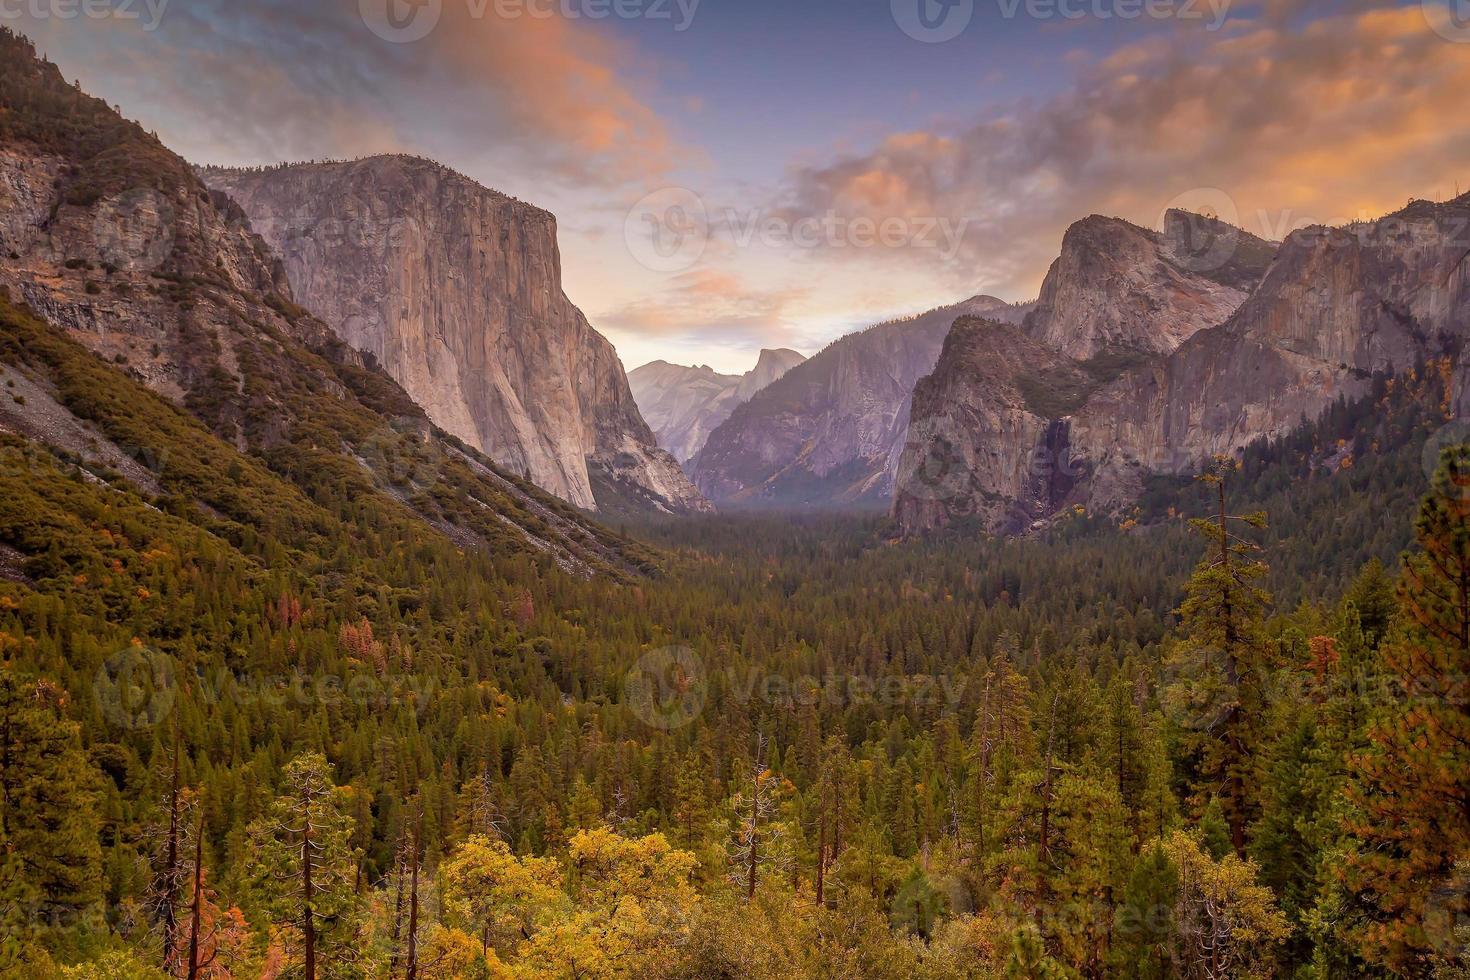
(412, 970)
(308, 896)
(197, 905)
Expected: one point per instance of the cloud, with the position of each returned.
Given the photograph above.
(277, 80)
(719, 306)
(1341, 116)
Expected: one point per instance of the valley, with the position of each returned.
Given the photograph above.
(361, 616)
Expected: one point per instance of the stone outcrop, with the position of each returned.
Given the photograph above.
(456, 290)
(683, 405)
(1118, 288)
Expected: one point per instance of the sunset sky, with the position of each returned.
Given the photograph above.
(826, 169)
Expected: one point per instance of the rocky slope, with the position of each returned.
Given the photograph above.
(456, 291)
(1334, 307)
(117, 247)
(1119, 288)
(683, 405)
(829, 433)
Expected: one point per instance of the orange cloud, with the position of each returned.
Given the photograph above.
(1351, 113)
(714, 303)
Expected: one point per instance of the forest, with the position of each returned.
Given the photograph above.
(258, 722)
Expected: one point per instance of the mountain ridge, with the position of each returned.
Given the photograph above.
(1335, 308)
(828, 433)
(684, 404)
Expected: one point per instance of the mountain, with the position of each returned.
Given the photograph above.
(1335, 308)
(152, 339)
(456, 290)
(1117, 287)
(830, 431)
(683, 405)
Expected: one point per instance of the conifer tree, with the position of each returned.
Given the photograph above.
(302, 863)
(48, 818)
(1144, 940)
(1222, 618)
(1412, 786)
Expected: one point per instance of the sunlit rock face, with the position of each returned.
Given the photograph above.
(456, 290)
(1010, 435)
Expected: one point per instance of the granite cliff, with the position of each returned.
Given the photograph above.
(456, 290)
(1334, 307)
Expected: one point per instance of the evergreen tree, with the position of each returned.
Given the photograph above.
(1412, 787)
(302, 863)
(51, 862)
(1223, 658)
(1144, 943)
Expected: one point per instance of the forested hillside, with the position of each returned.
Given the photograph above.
(261, 720)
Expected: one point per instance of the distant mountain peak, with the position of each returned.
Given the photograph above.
(684, 404)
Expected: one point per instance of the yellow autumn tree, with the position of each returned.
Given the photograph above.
(1227, 923)
(633, 906)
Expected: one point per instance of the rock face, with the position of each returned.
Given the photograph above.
(1334, 307)
(456, 291)
(683, 405)
(829, 433)
(1119, 288)
(113, 241)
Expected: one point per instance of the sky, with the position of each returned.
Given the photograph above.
(729, 175)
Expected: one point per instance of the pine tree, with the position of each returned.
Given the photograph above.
(48, 793)
(1412, 787)
(303, 865)
(1222, 618)
(1144, 945)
